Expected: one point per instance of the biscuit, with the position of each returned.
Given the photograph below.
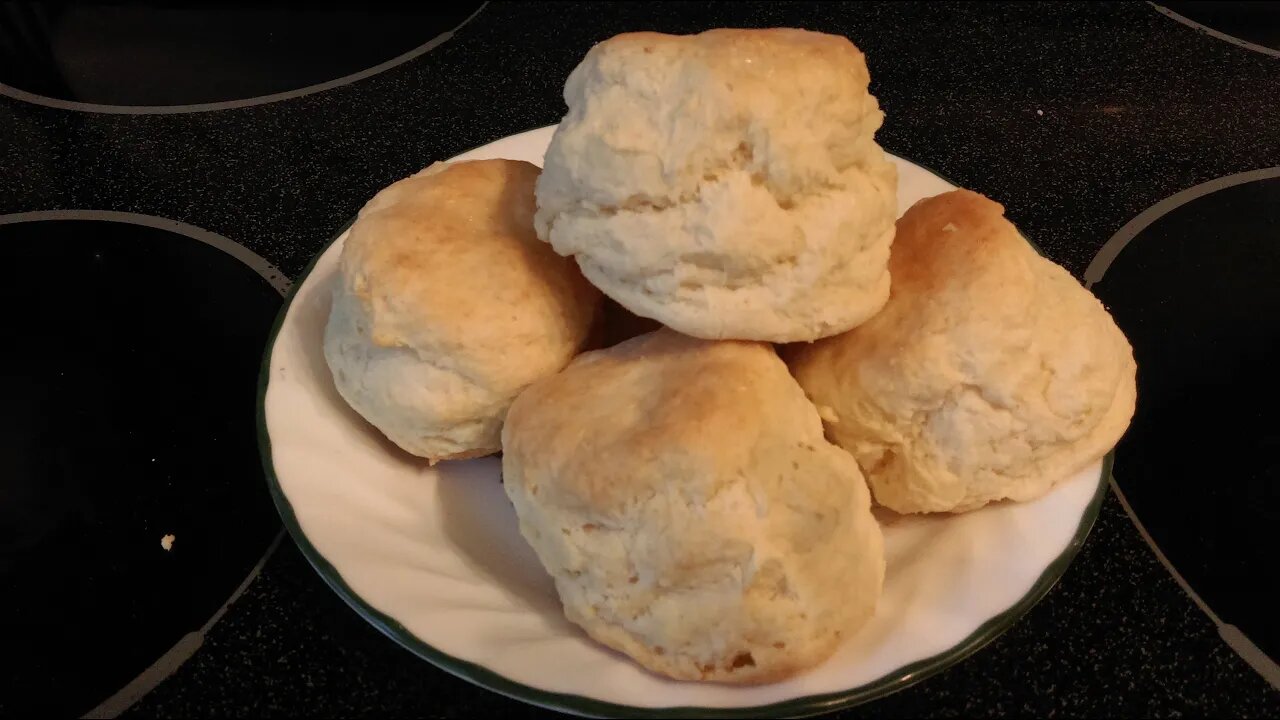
(681, 494)
(726, 184)
(447, 306)
(990, 373)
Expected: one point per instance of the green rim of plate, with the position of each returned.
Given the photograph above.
(892, 682)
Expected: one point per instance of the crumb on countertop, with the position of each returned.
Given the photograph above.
(166, 542)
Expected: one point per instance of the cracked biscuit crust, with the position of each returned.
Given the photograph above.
(726, 184)
(681, 494)
(447, 306)
(990, 373)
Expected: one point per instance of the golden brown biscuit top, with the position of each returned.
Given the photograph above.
(948, 238)
(674, 405)
(446, 262)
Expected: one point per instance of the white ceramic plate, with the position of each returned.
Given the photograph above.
(433, 558)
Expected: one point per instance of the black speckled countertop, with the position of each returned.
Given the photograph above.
(1076, 116)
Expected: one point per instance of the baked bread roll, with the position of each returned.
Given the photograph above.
(681, 494)
(726, 184)
(447, 306)
(990, 374)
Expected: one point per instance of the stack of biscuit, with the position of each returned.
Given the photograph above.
(702, 505)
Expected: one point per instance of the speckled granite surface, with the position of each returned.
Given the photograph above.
(1075, 116)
